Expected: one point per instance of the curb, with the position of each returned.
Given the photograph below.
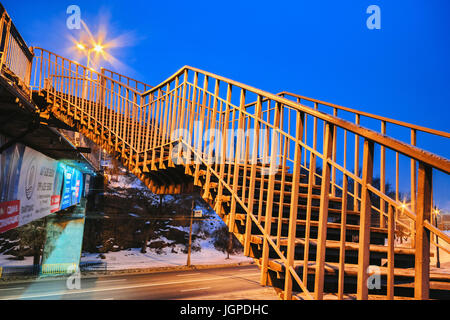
(96, 274)
(86, 274)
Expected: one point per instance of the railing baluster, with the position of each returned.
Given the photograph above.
(391, 255)
(157, 130)
(343, 240)
(323, 211)
(231, 148)
(223, 152)
(212, 137)
(422, 261)
(413, 187)
(237, 160)
(246, 157)
(126, 118)
(356, 171)
(294, 206)
(191, 120)
(333, 169)
(201, 109)
(147, 124)
(263, 164)
(269, 198)
(282, 188)
(382, 175)
(175, 117)
(164, 123)
(364, 223)
(119, 119)
(397, 179)
(140, 107)
(251, 191)
(182, 111)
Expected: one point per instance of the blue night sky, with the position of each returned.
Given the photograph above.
(319, 49)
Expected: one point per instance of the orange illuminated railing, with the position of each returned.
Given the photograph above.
(14, 53)
(208, 121)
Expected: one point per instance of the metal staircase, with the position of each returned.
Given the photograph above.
(294, 184)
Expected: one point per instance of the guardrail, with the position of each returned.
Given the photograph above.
(198, 104)
(130, 82)
(52, 269)
(16, 57)
(196, 96)
(380, 124)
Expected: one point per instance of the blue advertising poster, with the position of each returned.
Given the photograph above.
(72, 187)
(33, 186)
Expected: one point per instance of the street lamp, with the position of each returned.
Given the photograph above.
(437, 213)
(98, 48)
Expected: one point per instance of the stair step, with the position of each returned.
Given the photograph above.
(314, 223)
(278, 182)
(332, 244)
(333, 296)
(315, 209)
(332, 268)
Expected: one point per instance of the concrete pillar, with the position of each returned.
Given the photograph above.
(64, 240)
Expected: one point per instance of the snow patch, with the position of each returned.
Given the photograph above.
(134, 259)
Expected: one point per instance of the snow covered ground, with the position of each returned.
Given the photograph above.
(125, 182)
(134, 259)
(170, 256)
(7, 261)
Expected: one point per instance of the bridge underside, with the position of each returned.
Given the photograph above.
(22, 122)
(23, 125)
(164, 178)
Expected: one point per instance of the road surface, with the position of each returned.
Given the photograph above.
(222, 283)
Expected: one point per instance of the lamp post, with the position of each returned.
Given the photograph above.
(188, 262)
(436, 214)
(98, 48)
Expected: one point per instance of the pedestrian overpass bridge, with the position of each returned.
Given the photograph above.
(318, 199)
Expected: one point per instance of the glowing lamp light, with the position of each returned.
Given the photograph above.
(98, 48)
(81, 46)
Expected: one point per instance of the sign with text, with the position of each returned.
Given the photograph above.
(198, 213)
(33, 186)
(9, 215)
(36, 186)
(72, 187)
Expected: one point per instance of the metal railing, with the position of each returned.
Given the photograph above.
(381, 123)
(15, 55)
(195, 114)
(130, 82)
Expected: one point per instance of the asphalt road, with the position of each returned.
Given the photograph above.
(220, 283)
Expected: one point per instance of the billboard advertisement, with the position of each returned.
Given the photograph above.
(72, 187)
(9, 215)
(33, 186)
